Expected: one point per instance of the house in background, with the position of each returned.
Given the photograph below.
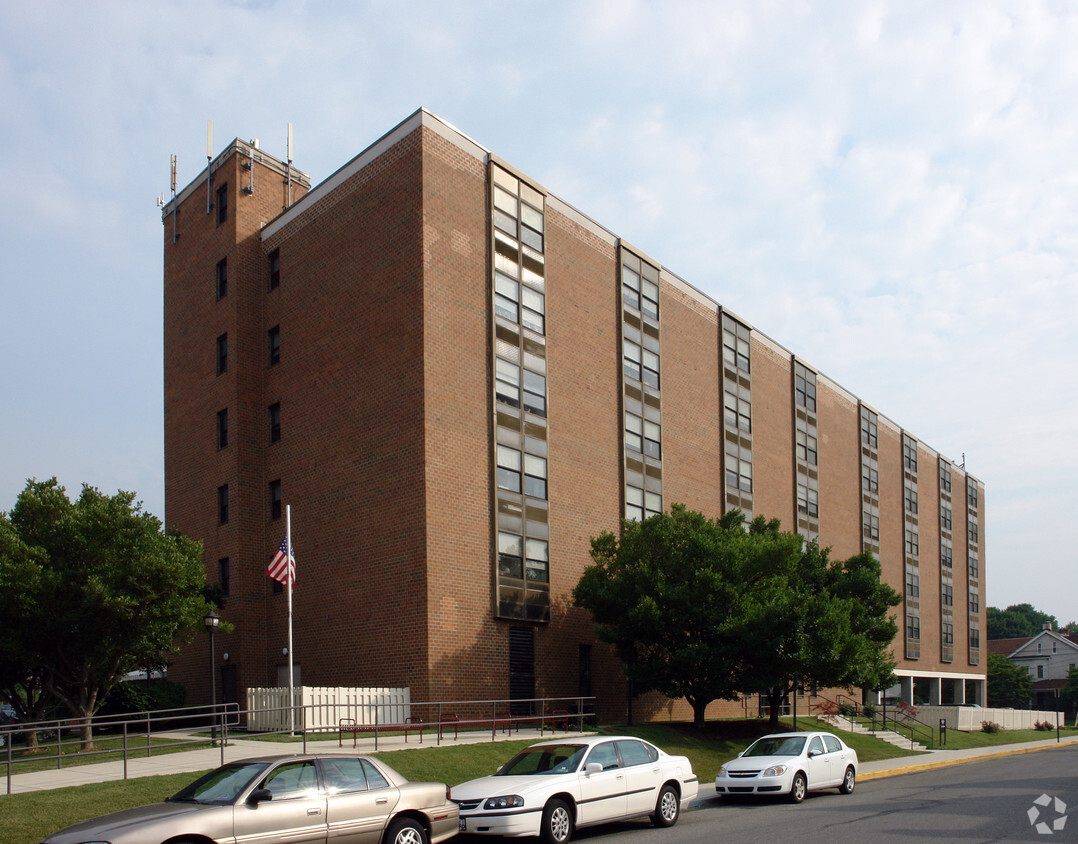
(1048, 657)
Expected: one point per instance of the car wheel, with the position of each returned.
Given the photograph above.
(799, 788)
(667, 807)
(849, 781)
(406, 831)
(557, 825)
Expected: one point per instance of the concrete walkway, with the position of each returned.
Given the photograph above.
(206, 757)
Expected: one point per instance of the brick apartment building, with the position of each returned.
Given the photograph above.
(456, 379)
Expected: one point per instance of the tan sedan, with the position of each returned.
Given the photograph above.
(332, 798)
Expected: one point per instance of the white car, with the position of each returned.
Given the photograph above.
(792, 764)
(554, 787)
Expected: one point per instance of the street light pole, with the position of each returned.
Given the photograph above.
(212, 620)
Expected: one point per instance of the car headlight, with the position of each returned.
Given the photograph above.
(775, 771)
(509, 801)
(722, 772)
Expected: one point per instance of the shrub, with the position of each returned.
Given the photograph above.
(826, 707)
(869, 710)
(139, 696)
(1044, 726)
(849, 710)
(990, 727)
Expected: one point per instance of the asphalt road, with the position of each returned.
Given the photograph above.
(974, 802)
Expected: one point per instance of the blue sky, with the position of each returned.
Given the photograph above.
(888, 189)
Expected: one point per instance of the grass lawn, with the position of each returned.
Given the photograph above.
(30, 817)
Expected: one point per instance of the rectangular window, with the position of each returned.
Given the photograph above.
(649, 298)
(737, 409)
(634, 432)
(974, 637)
(275, 422)
(945, 517)
(222, 504)
(510, 555)
(631, 356)
(870, 480)
(912, 543)
(534, 476)
(223, 575)
(913, 627)
(506, 297)
(275, 499)
(946, 558)
(1040, 672)
(872, 527)
(274, 337)
(222, 203)
(973, 532)
(807, 501)
(630, 287)
(652, 440)
(508, 468)
(222, 278)
(972, 496)
(948, 633)
(945, 478)
(735, 350)
(222, 354)
(869, 430)
(947, 594)
(534, 392)
(806, 447)
(805, 392)
(910, 498)
(974, 602)
(537, 560)
(533, 310)
(222, 428)
(909, 455)
(507, 382)
(913, 585)
(650, 368)
(274, 269)
(974, 565)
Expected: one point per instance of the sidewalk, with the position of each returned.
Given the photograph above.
(207, 757)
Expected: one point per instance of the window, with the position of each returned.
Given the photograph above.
(872, 527)
(807, 501)
(534, 476)
(223, 575)
(974, 637)
(506, 297)
(947, 595)
(910, 498)
(974, 565)
(735, 350)
(537, 560)
(222, 354)
(805, 391)
(946, 558)
(913, 627)
(510, 555)
(649, 298)
(275, 499)
(913, 547)
(507, 382)
(974, 602)
(806, 447)
(274, 269)
(630, 287)
(869, 431)
(737, 409)
(222, 428)
(222, 504)
(652, 440)
(275, 422)
(508, 468)
(909, 455)
(945, 478)
(945, 517)
(533, 309)
(640, 504)
(274, 336)
(636, 753)
(913, 585)
(222, 278)
(651, 368)
(1040, 672)
(870, 480)
(222, 203)
(738, 472)
(634, 432)
(292, 780)
(973, 532)
(972, 495)
(534, 392)
(631, 357)
(948, 633)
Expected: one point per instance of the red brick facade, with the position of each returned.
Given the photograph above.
(387, 412)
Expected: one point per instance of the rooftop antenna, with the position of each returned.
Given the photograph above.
(288, 169)
(249, 166)
(963, 460)
(172, 184)
(209, 161)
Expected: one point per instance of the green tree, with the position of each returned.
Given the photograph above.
(1018, 621)
(1069, 694)
(705, 609)
(110, 590)
(1009, 685)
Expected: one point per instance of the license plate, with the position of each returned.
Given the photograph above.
(463, 825)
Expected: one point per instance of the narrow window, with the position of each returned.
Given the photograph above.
(222, 504)
(222, 203)
(224, 575)
(222, 354)
(534, 476)
(222, 428)
(275, 422)
(508, 468)
(275, 499)
(274, 335)
(222, 278)
(274, 269)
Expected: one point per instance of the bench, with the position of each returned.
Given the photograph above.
(412, 724)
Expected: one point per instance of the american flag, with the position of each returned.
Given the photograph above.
(283, 565)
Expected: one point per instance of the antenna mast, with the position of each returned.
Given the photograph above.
(288, 169)
(209, 161)
(172, 183)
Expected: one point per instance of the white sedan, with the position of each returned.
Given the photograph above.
(792, 764)
(552, 788)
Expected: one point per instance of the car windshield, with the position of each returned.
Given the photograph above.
(545, 759)
(221, 786)
(777, 746)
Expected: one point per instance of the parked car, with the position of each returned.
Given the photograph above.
(8, 715)
(555, 787)
(792, 764)
(347, 799)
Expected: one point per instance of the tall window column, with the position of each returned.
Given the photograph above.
(870, 481)
(912, 550)
(973, 565)
(737, 414)
(805, 452)
(518, 299)
(946, 564)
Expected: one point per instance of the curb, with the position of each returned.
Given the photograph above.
(863, 776)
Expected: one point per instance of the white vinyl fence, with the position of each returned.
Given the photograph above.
(322, 708)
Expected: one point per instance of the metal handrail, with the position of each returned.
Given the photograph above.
(908, 722)
(218, 719)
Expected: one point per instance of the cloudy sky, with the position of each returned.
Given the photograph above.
(889, 189)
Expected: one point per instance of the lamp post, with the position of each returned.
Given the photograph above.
(212, 620)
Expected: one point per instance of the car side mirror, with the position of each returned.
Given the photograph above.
(259, 795)
(593, 768)
(813, 753)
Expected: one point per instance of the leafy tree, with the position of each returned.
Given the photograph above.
(1069, 694)
(1009, 685)
(705, 609)
(1017, 621)
(108, 590)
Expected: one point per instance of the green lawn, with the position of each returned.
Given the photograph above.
(30, 817)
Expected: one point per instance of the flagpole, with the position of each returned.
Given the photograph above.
(288, 574)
